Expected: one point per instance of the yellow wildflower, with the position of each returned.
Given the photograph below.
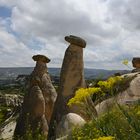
(125, 62)
(105, 138)
(83, 93)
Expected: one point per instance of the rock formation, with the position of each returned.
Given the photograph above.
(71, 78)
(136, 64)
(39, 101)
(130, 95)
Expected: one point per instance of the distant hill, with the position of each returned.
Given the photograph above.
(10, 73)
(101, 73)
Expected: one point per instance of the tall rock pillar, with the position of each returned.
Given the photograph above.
(38, 102)
(71, 78)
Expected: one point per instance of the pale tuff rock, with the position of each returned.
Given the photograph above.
(129, 96)
(68, 122)
(39, 101)
(6, 132)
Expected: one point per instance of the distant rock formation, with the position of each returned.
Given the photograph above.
(136, 64)
(71, 78)
(38, 102)
(12, 100)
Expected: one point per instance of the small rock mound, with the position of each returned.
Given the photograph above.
(68, 122)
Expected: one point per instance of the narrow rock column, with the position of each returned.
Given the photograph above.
(71, 78)
(39, 101)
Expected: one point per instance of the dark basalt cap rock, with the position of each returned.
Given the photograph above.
(136, 62)
(41, 58)
(76, 41)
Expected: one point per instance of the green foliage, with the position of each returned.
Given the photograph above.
(3, 112)
(12, 90)
(123, 123)
(87, 132)
(32, 135)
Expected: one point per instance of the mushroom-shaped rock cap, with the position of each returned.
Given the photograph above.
(41, 58)
(76, 41)
(136, 62)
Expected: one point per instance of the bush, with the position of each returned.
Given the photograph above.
(121, 123)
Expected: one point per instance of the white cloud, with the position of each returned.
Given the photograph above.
(110, 27)
(8, 3)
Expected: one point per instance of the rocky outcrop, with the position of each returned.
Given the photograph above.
(129, 96)
(11, 100)
(39, 101)
(7, 131)
(136, 64)
(10, 105)
(71, 78)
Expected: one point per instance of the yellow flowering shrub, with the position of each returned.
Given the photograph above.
(105, 138)
(83, 93)
(125, 62)
(105, 88)
(108, 84)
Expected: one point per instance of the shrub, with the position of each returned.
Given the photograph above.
(121, 123)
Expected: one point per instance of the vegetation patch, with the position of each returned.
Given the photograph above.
(121, 123)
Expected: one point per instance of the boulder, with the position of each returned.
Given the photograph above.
(67, 123)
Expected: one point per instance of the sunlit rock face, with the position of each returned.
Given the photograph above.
(71, 79)
(39, 101)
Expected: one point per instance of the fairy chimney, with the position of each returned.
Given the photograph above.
(39, 101)
(71, 78)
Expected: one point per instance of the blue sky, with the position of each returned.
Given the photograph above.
(110, 27)
(5, 12)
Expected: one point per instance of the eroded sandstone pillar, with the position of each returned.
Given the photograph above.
(39, 100)
(71, 78)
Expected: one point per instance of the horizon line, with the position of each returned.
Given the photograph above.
(60, 68)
